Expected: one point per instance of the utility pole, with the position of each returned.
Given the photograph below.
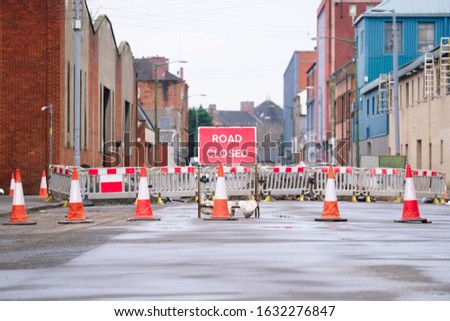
(77, 113)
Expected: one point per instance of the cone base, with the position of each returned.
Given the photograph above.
(75, 221)
(20, 223)
(413, 221)
(221, 219)
(331, 219)
(143, 219)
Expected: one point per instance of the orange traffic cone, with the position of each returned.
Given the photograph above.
(76, 210)
(11, 186)
(330, 207)
(445, 197)
(410, 205)
(143, 208)
(43, 189)
(18, 213)
(220, 210)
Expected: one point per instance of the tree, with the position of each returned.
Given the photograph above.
(197, 117)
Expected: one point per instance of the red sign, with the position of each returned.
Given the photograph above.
(227, 145)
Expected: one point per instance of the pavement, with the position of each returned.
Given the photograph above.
(32, 203)
(284, 255)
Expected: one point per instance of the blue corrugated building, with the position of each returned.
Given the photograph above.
(420, 25)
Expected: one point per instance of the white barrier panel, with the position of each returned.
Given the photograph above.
(429, 183)
(284, 181)
(59, 183)
(123, 182)
(173, 182)
(239, 180)
(346, 180)
(382, 182)
(109, 183)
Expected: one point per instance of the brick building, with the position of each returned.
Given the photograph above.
(172, 105)
(294, 83)
(335, 48)
(37, 68)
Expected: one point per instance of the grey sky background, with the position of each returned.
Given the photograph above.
(237, 50)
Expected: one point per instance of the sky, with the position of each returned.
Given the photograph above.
(236, 50)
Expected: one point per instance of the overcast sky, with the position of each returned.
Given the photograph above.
(237, 50)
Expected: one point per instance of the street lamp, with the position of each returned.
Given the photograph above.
(395, 75)
(355, 45)
(196, 125)
(155, 79)
(50, 108)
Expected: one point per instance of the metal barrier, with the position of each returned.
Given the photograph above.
(429, 183)
(346, 180)
(239, 181)
(109, 183)
(164, 182)
(59, 183)
(173, 182)
(382, 182)
(284, 181)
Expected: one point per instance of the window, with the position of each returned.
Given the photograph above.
(164, 123)
(419, 154)
(407, 94)
(389, 38)
(425, 41)
(68, 107)
(430, 155)
(361, 43)
(418, 90)
(352, 10)
(373, 106)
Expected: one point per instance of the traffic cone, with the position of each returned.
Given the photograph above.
(11, 186)
(330, 207)
(445, 197)
(220, 209)
(18, 214)
(410, 205)
(43, 189)
(76, 210)
(143, 208)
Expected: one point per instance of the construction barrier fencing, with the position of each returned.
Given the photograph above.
(240, 181)
(109, 183)
(59, 183)
(284, 181)
(169, 182)
(346, 180)
(381, 182)
(429, 184)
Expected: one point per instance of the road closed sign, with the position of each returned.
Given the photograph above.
(227, 145)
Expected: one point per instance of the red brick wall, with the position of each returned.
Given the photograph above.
(31, 64)
(306, 60)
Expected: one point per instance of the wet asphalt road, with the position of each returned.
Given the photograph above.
(284, 255)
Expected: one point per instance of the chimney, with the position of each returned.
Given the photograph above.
(181, 73)
(212, 109)
(162, 68)
(248, 107)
